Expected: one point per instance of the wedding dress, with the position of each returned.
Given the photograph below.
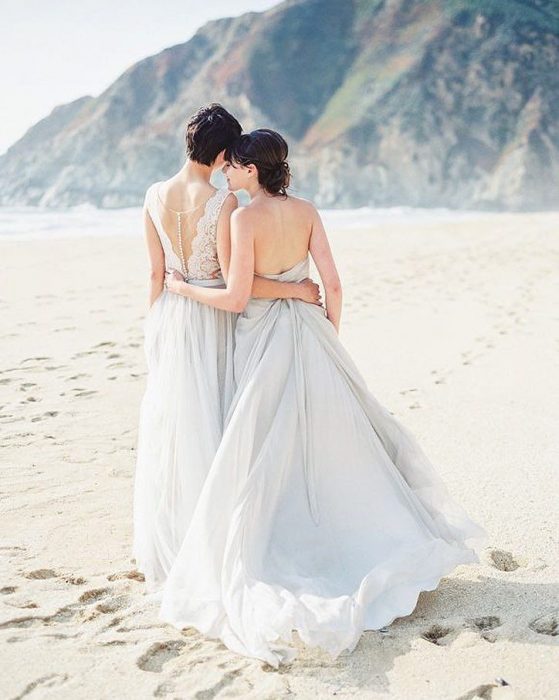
(189, 353)
(320, 512)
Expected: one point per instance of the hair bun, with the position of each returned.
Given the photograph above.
(267, 150)
(278, 179)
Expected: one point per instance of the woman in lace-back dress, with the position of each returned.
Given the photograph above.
(188, 345)
(320, 512)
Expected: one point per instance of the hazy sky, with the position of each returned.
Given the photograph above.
(53, 51)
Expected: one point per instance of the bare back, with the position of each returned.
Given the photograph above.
(283, 232)
(188, 235)
(179, 196)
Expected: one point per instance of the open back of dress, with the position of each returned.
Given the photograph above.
(198, 229)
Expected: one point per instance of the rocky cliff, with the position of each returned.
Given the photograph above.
(384, 102)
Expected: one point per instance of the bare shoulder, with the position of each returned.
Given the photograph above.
(304, 207)
(242, 214)
(230, 202)
(302, 202)
(245, 218)
(149, 189)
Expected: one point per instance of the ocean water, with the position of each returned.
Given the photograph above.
(32, 223)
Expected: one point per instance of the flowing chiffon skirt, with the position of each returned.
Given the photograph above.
(189, 353)
(320, 513)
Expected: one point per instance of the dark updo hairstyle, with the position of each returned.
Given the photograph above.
(267, 150)
(209, 131)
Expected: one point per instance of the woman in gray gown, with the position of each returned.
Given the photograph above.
(320, 512)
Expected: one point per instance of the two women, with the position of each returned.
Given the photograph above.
(319, 512)
(189, 346)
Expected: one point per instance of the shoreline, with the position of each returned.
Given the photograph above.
(79, 222)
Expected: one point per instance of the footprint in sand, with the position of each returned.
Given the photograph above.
(23, 622)
(22, 605)
(7, 590)
(486, 691)
(41, 574)
(46, 414)
(84, 353)
(133, 575)
(51, 681)
(69, 612)
(12, 551)
(436, 633)
(439, 376)
(159, 654)
(105, 604)
(487, 622)
(77, 376)
(547, 624)
(26, 385)
(227, 679)
(8, 418)
(502, 560)
(163, 689)
(484, 625)
(114, 604)
(94, 595)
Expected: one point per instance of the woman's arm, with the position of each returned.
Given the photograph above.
(239, 275)
(324, 260)
(305, 290)
(262, 287)
(156, 258)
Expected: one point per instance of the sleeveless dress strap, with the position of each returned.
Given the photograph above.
(172, 262)
(215, 206)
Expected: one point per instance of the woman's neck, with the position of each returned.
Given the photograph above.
(192, 170)
(256, 191)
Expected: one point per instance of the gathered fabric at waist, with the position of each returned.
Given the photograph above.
(296, 273)
(209, 282)
(215, 282)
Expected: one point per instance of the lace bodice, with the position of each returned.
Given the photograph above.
(203, 262)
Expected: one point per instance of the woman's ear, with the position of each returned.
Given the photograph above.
(252, 170)
(219, 159)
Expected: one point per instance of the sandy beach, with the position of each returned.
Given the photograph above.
(455, 326)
